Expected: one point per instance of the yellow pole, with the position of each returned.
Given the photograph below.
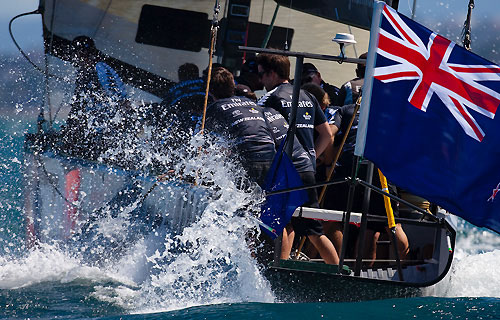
(387, 201)
(391, 222)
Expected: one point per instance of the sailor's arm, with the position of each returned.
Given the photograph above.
(325, 138)
(329, 153)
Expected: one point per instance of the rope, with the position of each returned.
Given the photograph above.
(15, 42)
(288, 25)
(466, 31)
(21, 50)
(213, 32)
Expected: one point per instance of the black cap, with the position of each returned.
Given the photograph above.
(308, 68)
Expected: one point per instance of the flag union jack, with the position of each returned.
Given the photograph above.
(459, 86)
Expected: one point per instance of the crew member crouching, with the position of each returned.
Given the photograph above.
(242, 122)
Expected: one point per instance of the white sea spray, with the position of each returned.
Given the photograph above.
(209, 261)
(474, 270)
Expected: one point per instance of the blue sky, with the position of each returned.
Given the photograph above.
(27, 30)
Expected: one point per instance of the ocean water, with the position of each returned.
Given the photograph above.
(217, 279)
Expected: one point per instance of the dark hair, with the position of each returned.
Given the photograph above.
(318, 93)
(308, 71)
(222, 83)
(188, 71)
(215, 65)
(360, 70)
(275, 62)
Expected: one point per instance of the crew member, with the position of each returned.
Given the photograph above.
(243, 121)
(350, 91)
(274, 71)
(99, 96)
(337, 195)
(310, 74)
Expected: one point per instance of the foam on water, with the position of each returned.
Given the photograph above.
(44, 264)
(208, 263)
(474, 271)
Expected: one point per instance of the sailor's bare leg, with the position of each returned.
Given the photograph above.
(325, 248)
(287, 242)
(333, 230)
(310, 250)
(402, 241)
(371, 246)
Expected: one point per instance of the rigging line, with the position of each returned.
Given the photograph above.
(262, 12)
(15, 42)
(288, 26)
(353, 45)
(213, 38)
(46, 58)
(52, 25)
(414, 9)
(21, 50)
(66, 97)
(101, 19)
(466, 31)
(224, 12)
(55, 187)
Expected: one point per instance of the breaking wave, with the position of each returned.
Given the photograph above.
(474, 269)
(207, 262)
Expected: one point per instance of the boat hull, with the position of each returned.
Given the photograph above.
(67, 198)
(291, 285)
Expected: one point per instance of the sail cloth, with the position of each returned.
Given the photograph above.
(428, 118)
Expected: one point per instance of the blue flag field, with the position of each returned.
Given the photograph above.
(428, 117)
(278, 209)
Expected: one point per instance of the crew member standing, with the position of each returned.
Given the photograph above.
(274, 71)
(350, 91)
(311, 74)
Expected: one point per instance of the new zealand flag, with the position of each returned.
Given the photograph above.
(428, 117)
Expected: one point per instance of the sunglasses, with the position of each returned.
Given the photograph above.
(261, 74)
